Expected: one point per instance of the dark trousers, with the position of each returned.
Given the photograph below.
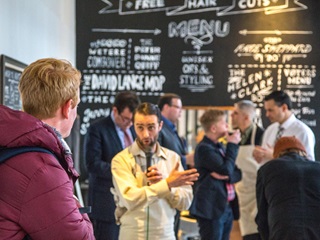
(216, 229)
(105, 230)
(177, 224)
(254, 236)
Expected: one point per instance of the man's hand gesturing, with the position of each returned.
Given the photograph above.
(177, 179)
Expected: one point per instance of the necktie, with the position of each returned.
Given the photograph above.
(229, 186)
(279, 133)
(127, 139)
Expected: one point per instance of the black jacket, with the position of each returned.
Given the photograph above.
(288, 199)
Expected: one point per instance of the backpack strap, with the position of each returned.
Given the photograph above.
(7, 153)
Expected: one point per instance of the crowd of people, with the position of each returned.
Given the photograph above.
(140, 172)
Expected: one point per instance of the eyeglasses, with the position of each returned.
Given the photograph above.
(125, 119)
(175, 106)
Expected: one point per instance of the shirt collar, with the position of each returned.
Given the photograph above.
(218, 144)
(168, 122)
(112, 118)
(137, 151)
(246, 134)
(118, 129)
(288, 122)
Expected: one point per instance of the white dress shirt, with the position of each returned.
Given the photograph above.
(292, 127)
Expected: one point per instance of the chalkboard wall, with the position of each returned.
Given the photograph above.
(211, 52)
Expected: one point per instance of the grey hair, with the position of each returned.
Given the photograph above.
(247, 107)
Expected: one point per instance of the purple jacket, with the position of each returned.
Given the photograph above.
(36, 191)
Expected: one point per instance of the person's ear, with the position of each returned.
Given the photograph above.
(115, 111)
(166, 106)
(284, 107)
(246, 117)
(160, 125)
(66, 108)
(213, 128)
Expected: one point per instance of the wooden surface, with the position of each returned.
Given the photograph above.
(235, 233)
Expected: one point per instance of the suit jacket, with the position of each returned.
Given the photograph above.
(210, 194)
(169, 139)
(102, 143)
(288, 197)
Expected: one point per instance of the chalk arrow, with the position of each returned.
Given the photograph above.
(107, 9)
(275, 32)
(155, 31)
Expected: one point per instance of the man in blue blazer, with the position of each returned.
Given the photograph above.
(170, 105)
(105, 138)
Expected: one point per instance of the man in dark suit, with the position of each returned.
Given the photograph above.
(215, 203)
(105, 138)
(170, 105)
(288, 194)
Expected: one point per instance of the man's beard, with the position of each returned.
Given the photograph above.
(144, 147)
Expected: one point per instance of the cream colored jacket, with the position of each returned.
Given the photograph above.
(143, 209)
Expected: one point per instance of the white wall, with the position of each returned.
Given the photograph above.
(33, 29)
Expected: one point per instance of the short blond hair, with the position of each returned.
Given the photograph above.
(210, 117)
(47, 84)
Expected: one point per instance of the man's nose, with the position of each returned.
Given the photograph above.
(145, 133)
